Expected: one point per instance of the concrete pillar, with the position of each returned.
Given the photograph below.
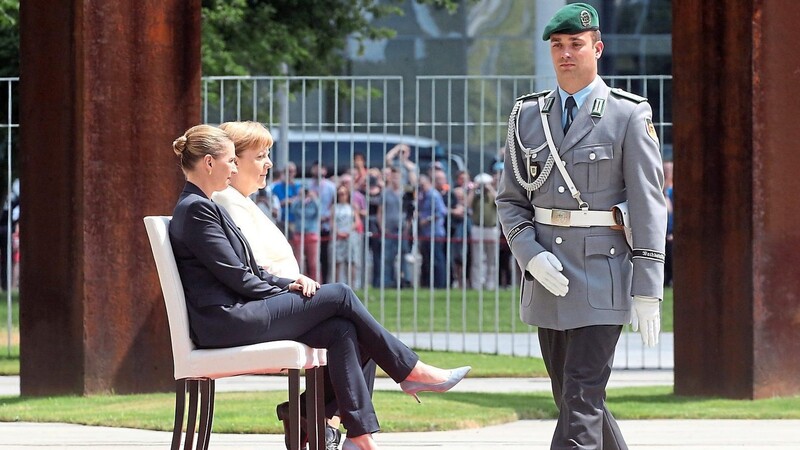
(105, 88)
(737, 239)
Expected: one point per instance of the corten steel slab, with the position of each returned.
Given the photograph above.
(105, 88)
(737, 246)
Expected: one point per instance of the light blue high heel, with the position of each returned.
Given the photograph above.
(414, 387)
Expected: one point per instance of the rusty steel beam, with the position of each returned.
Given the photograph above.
(105, 88)
(737, 246)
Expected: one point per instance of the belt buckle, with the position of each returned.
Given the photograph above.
(560, 217)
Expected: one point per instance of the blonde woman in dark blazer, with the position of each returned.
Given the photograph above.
(232, 301)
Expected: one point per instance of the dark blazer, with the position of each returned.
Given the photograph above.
(217, 268)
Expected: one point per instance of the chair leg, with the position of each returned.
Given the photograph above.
(192, 418)
(294, 409)
(206, 413)
(180, 407)
(315, 408)
(213, 394)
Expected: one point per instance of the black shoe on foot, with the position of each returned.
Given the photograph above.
(332, 438)
(282, 411)
(332, 435)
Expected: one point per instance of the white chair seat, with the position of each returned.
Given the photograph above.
(255, 359)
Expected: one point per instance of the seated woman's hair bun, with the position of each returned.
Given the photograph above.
(179, 145)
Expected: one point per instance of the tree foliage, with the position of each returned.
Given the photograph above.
(243, 37)
(9, 38)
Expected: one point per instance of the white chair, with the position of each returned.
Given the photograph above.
(196, 369)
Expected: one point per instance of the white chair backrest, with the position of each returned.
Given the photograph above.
(172, 288)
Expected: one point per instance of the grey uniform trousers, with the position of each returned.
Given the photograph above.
(579, 364)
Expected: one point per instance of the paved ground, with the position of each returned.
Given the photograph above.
(527, 434)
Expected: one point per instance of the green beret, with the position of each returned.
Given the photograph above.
(572, 19)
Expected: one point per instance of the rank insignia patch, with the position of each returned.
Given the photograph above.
(651, 129)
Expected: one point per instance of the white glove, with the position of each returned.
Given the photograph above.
(546, 268)
(646, 318)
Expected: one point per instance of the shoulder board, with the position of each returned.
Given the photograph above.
(625, 94)
(534, 95)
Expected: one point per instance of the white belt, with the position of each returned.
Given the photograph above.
(574, 217)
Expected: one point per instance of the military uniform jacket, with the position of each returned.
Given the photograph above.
(612, 156)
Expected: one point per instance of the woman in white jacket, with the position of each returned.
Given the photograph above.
(270, 247)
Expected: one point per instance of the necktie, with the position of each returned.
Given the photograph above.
(569, 105)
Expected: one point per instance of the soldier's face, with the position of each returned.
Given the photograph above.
(575, 59)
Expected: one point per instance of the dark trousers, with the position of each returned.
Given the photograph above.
(335, 319)
(435, 262)
(368, 367)
(384, 255)
(579, 364)
(324, 260)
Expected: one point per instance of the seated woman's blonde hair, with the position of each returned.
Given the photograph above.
(248, 134)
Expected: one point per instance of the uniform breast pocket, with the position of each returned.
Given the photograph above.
(593, 166)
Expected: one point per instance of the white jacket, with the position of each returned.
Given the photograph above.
(270, 247)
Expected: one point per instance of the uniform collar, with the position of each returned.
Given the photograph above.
(580, 96)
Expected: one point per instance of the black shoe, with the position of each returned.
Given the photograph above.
(332, 435)
(332, 438)
(282, 411)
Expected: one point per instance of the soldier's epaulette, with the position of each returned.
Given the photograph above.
(625, 94)
(534, 95)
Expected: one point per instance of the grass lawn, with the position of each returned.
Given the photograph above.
(9, 356)
(465, 315)
(253, 412)
(469, 310)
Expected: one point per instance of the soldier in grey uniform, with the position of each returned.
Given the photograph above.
(582, 208)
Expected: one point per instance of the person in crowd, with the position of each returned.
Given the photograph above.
(15, 256)
(567, 226)
(10, 208)
(269, 204)
(360, 172)
(459, 222)
(439, 177)
(232, 301)
(305, 240)
(375, 198)
(358, 201)
(287, 189)
(389, 227)
(484, 233)
(440, 180)
(670, 222)
(399, 156)
(346, 241)
(325, 190)
(432, 218)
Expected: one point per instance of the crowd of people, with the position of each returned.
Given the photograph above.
(394, 224)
